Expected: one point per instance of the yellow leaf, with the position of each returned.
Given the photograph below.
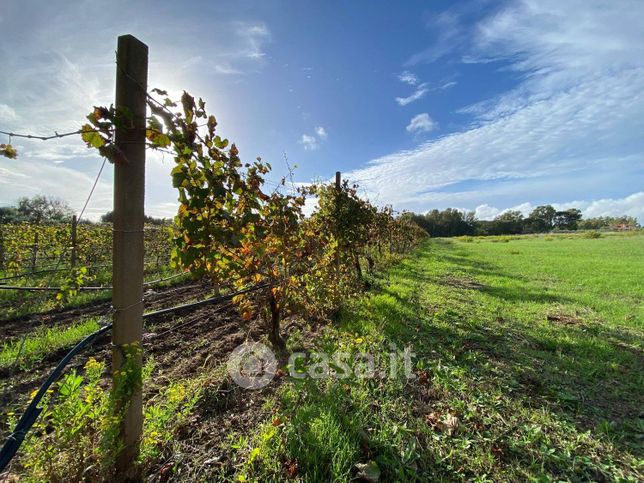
(91, 137)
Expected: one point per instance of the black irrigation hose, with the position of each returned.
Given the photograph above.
(29, 417)
(15, 439)
(49, 289)
(212, 300)
(190, 321)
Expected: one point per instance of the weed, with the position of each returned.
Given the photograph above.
(43, 341)
(465, 238)
(76, 435)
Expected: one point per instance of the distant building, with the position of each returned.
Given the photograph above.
(623, 227)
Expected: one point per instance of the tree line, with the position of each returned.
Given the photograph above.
(543, 219)
(446, 223)
(49, 209)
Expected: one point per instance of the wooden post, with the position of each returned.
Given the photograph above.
(338, 188)
(127, 270)
(34, 253)
(2, 257)
(74, 248)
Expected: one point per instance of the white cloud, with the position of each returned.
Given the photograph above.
(251, 37)
(226, 68)
(7, 113)
(419, 93)
(64, 67)
(38, 177)
(449, 35)
(524, 208)
(574, 122)
(256, 30)
(421, 123)
(321, 133)
(574, 129)
(408, 78)
(565, 39)
(310, 143)
(486, 212)
(163, 210)
(632, 205)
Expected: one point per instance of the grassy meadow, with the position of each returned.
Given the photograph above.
(528, 363)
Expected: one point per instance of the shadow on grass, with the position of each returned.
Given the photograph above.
(586, 372)
(542, 385)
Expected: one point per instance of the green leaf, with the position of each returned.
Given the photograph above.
(161, 140)
(91, 137)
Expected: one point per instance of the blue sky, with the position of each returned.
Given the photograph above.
(477, 105)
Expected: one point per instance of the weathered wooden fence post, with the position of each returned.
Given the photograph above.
(2, 257)
(127, 271)
(74, 248)
(338, 188)
(34, 254)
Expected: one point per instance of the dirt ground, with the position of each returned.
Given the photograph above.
(183, 345)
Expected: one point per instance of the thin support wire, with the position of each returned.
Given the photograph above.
(91, 192)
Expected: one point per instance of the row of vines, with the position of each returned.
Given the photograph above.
(300, 250)
(231, 229)
(28, 247)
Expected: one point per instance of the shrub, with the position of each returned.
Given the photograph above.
(501, 239)
(76, 436)
(65, 441)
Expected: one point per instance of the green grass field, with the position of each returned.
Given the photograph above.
(528, 360)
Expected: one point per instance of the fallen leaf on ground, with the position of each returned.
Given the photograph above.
(368, 471)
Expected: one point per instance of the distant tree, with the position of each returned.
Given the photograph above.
(510, 223)
(9, 214)
(470, 221)
(485, 228)
(568, 219)
(453, 222)
(43, 209)
(449, 222)
(540, 220)
(155, 221)
(510, 216)
(107, 217)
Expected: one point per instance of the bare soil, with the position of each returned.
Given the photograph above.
(183, 346)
